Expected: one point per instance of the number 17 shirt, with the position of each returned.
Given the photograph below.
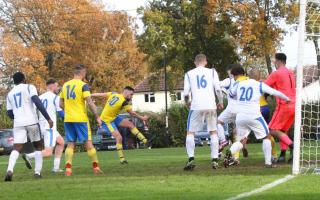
(74, 93)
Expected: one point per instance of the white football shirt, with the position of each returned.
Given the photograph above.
(227, 84)
(50, 102)
(248, 93)
(202, 83)
(20, 102)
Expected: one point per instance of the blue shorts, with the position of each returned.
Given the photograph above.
(265, 111)
(111, 127)
(77, 131)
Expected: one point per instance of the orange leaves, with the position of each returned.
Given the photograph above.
(48, 37)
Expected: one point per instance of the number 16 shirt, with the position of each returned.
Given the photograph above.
(74, 93)
(202, 83)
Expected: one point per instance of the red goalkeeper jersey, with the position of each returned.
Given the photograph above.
(284, 81)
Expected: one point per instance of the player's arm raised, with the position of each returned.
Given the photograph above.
(106, 94)
(266, 89)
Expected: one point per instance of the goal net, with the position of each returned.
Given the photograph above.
(307, 122)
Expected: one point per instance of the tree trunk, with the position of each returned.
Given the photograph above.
(268, 61)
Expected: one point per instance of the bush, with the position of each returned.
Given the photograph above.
(157, 128)
(178, 116)
(5, 121)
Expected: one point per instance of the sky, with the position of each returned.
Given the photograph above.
(289, 44)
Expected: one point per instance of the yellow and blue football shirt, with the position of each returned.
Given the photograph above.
(114, 105)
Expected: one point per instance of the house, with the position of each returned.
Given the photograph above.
(150, 94)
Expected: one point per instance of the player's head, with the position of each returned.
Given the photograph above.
(280, 60)
(53, 86)
(80, 71)
(230, 68)
(255, 74)
(18, 78)
(128, 92)
(200, 60)
(237, 71)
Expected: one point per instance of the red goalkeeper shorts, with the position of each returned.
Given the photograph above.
(283, 117)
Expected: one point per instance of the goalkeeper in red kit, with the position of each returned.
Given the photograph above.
(284, 81)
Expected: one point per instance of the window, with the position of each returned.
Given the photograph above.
(178, 94)
(149, 98)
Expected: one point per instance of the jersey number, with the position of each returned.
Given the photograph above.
(201, 82)
(71, 93)
(246, 93)
(113, 100)
(17, 99)
(45, 103)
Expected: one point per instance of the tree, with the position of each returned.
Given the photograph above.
(183, 26)
(61, 33)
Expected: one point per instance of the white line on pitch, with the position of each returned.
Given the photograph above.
(263, 188)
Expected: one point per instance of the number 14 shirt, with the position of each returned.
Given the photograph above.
(74, 93)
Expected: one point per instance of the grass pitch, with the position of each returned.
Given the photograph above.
(156, 174)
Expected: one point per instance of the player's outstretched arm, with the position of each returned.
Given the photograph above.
(134, 114)
(266, 89)
(99, 95)
(36, 100)
(9, 109)
(93, 109)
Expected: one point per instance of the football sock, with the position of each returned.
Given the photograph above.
(68, 157)
(38, 162)
(12, 160)
(220, 131)
(139, 135)
(30, 155)
(120, 152)
(92, 153)
(190, 145)
(266, 147)
(235, 149)
(214, 146)
(285, 139)
(283, 146)
(273, 146)
(56, 163)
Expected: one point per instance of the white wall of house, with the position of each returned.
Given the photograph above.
(139, 101)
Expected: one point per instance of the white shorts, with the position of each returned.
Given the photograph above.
(24, 134)
(227, 116)
(198, 118)
(247, 123)
(50, 137)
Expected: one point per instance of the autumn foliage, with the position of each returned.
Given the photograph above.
(46, 38)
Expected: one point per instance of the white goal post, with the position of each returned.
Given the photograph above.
(307, 123)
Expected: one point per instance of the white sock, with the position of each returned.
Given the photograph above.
(237, 146)
(12, 160)
(38, 162)
(214, 146)
(220, 131)
(30, 155)
(266, 147)
(56, 163)
(190, 145)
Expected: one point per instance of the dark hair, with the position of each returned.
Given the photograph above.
(51, 81)
(236, 71)
(128, 88)
(281, 57)
(78, 68)
(18, 78)
(233, 66)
